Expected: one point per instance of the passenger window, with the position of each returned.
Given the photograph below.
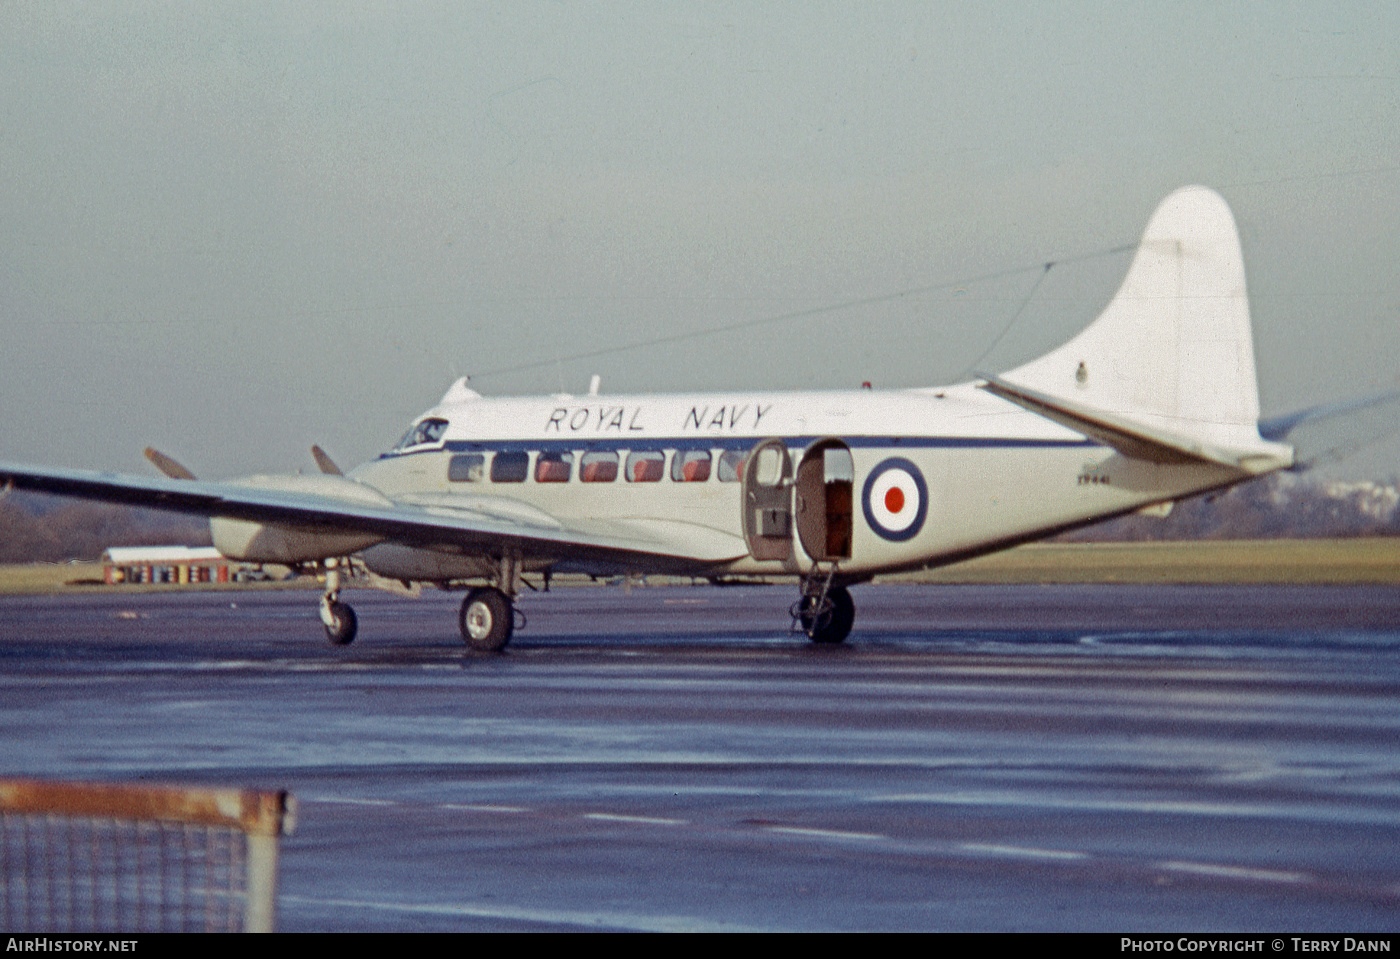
(467, 468)
(731, 466)
(690, 466)
(596, 467)
(553, 467)
(646, 466)
(510, 467)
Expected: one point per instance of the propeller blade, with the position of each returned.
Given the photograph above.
(326, 464)
(167, 465)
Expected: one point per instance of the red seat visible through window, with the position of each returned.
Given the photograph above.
(696, 471)
(598, 471)
(551, 471)
(647, 470)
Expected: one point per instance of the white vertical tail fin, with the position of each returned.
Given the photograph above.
(1171, 360)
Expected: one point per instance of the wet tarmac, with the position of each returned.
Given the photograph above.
(1112, 758)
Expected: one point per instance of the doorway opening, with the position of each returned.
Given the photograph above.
(825, 484)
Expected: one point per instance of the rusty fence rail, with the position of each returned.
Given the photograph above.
(100, 857)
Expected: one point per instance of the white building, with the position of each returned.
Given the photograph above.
(164, 564)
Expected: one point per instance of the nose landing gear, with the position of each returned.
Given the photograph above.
(338, 618)
(825, 612)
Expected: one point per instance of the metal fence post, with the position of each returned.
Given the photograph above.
(113, 857)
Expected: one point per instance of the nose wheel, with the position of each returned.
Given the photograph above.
(825, 612)
(487, 619)
(829, 621)
(339, 620)
(337, 617)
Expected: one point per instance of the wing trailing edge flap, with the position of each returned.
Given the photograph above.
(540, 533)
(680, 538)
(1140, 440)
(407, 523)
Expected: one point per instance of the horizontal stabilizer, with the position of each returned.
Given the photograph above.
(1138, 440)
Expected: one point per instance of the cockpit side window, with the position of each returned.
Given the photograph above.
(430, 430)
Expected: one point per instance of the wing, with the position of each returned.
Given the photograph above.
(338, 507)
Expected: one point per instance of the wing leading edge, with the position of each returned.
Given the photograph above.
(342, 507)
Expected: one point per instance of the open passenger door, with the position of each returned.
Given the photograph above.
(767, 499)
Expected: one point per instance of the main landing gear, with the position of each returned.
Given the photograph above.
(825, 611)
(488, 613)
(338, 617)
(487, 617)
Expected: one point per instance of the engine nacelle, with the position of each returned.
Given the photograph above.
(288, 543)
(406, 563)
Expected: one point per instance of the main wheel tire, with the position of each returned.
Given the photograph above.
(832, 624)
(342, 633)
(487, 619)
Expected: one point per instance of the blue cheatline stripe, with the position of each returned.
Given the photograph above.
(739, 443)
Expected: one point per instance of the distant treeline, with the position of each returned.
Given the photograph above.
(35, 528)
(39, 528)
(1281, 506)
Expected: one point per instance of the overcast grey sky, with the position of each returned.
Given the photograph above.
(232, 230)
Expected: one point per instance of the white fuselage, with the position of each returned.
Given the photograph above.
(932, 476)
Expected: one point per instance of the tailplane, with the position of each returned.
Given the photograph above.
(1167, 370)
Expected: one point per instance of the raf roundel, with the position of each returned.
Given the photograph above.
(895, 499)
